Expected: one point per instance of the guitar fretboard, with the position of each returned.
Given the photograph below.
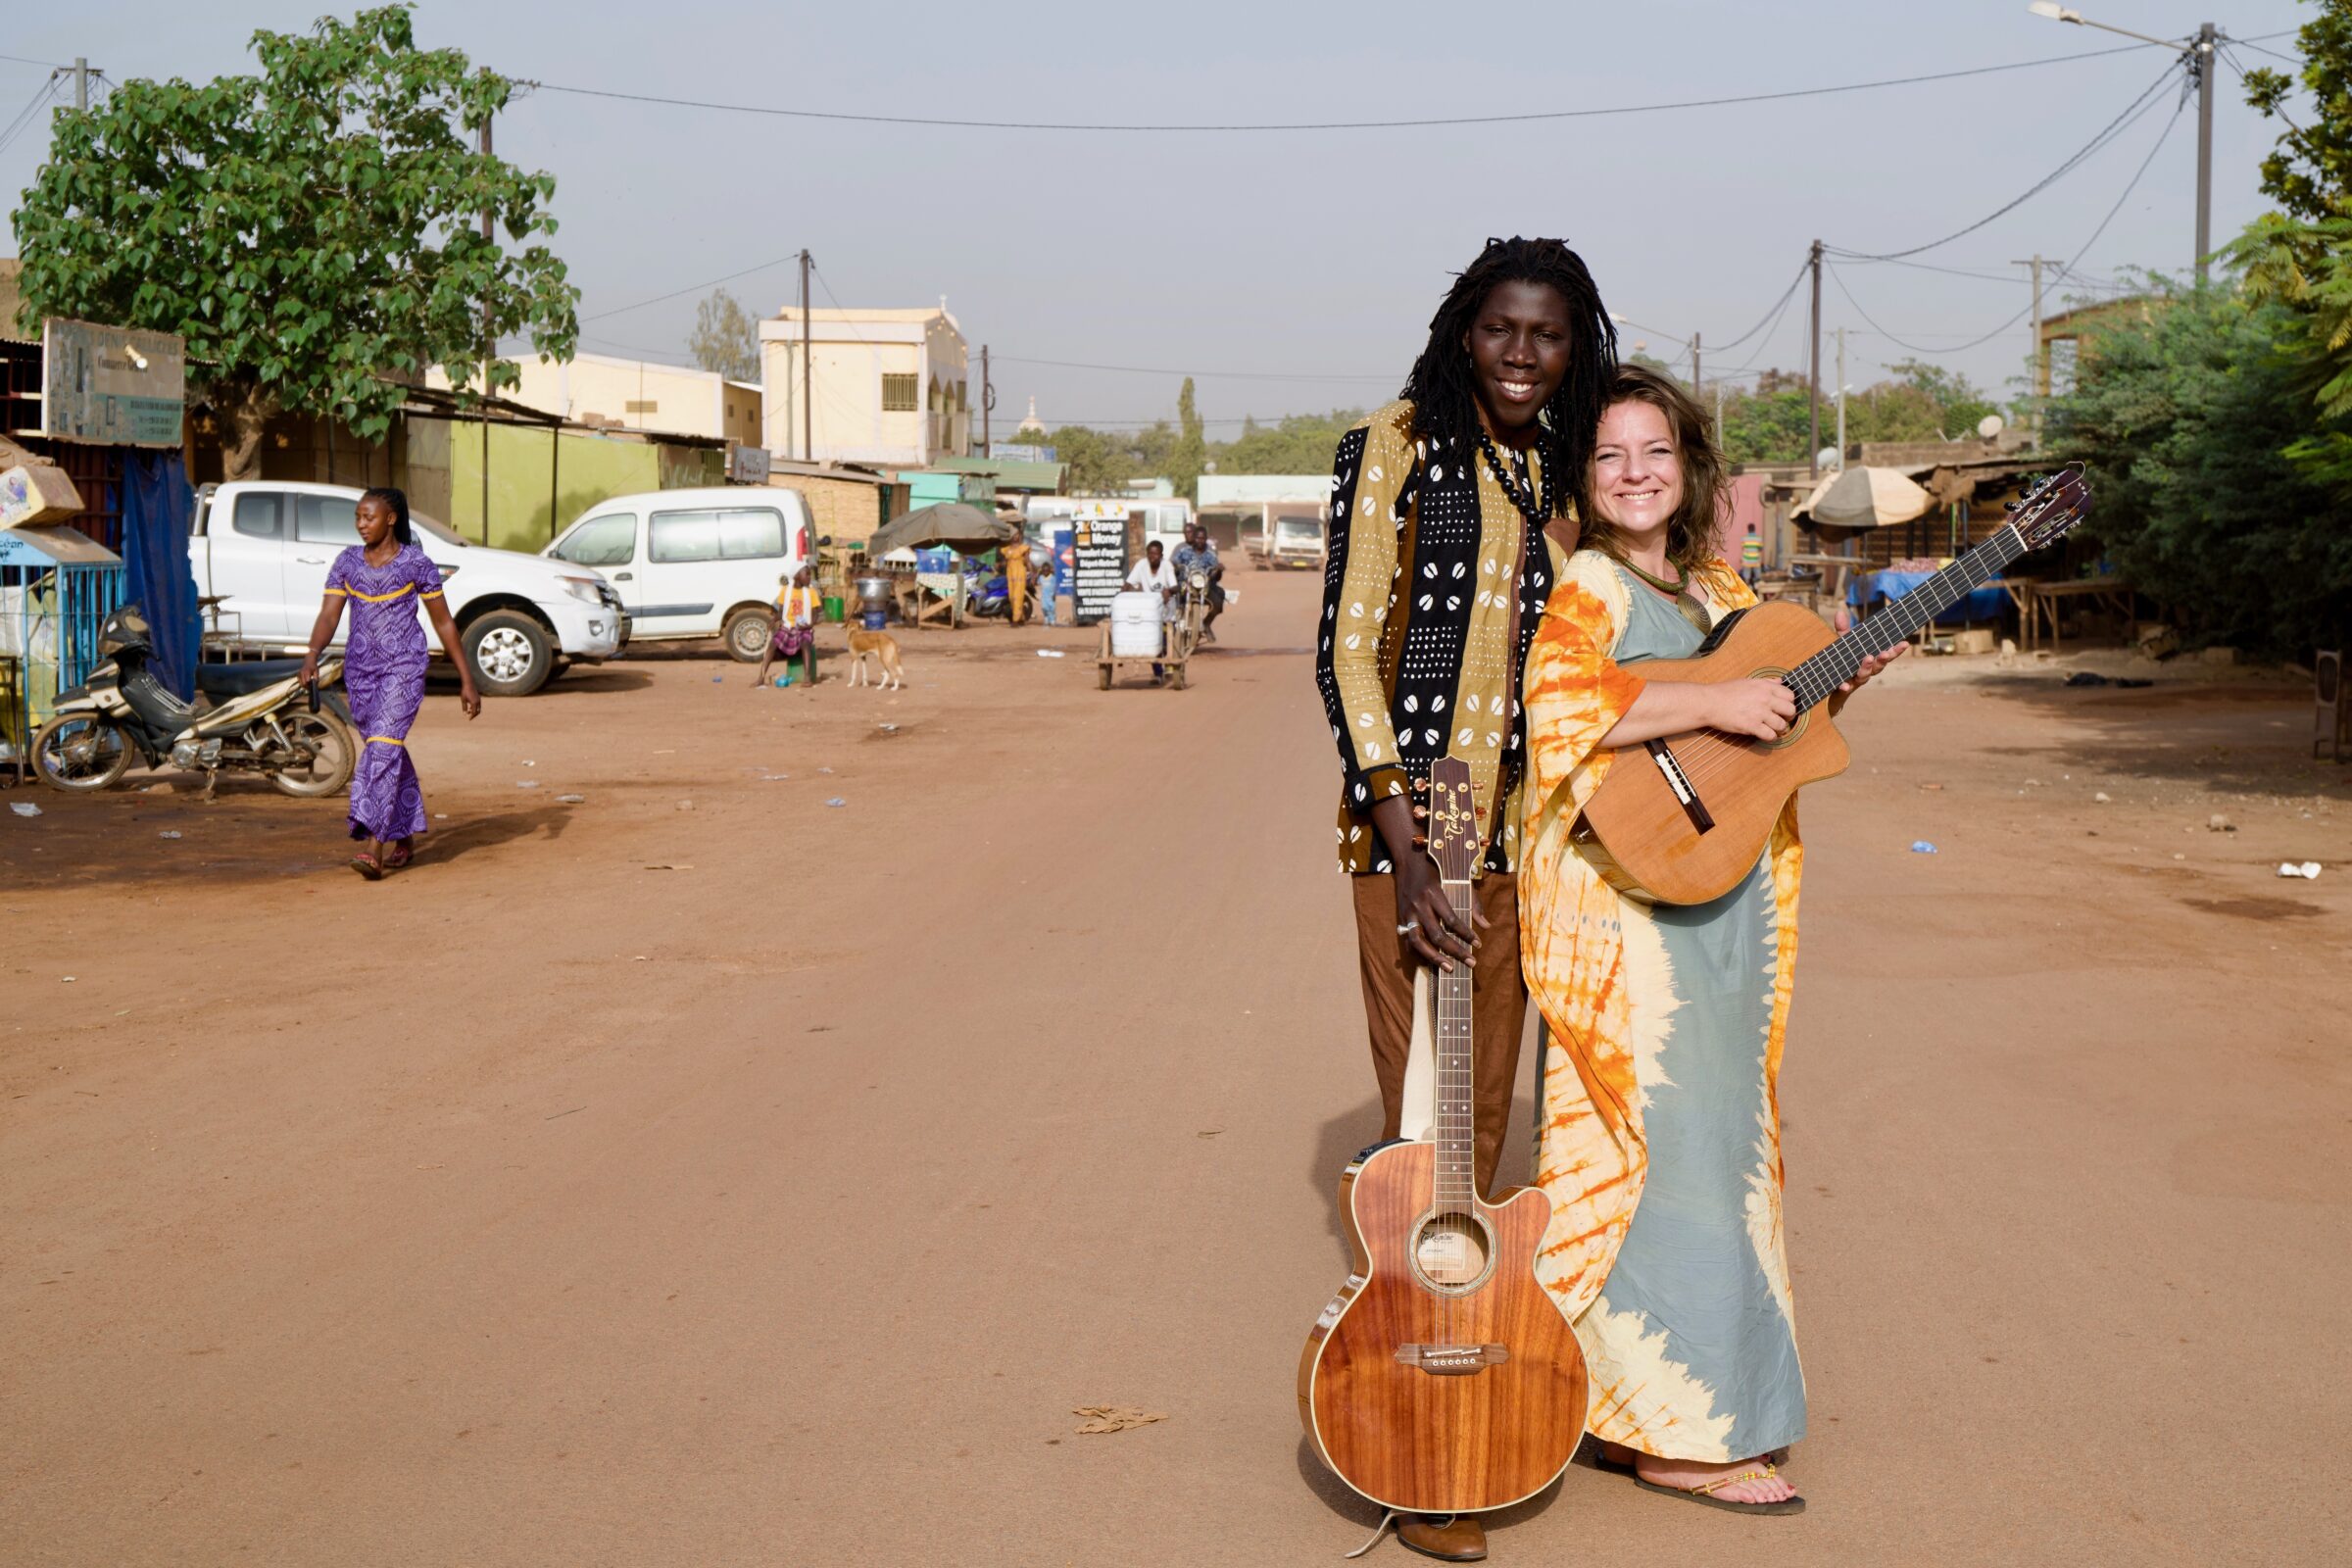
(1819, 677)
(1456, 1132)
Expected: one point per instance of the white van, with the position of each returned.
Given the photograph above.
(695, 563)
(260, 549)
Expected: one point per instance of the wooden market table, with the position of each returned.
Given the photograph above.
(2038, 601)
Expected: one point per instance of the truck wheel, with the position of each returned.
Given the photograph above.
(749, 633)
(80, 753)
(510, 653)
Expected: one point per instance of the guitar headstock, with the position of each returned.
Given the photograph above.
(1452, 819)
(2044, 514)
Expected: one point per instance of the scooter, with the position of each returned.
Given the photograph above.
(263, 719)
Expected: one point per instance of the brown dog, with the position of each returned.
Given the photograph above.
(885, 649)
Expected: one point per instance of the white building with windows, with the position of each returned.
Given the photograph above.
(886, 387)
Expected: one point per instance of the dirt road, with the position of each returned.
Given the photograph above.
(707, 1174)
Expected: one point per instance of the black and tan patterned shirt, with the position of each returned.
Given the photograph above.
(1416, 656)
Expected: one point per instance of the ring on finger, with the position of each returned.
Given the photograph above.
(1408, 928)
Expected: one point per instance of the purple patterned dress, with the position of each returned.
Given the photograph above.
(383, 672)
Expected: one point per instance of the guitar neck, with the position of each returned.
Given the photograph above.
(1819, 677)
(1456, 1187)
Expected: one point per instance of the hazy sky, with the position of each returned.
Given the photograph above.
(1311, 259)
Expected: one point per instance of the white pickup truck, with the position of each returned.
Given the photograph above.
(261, 548)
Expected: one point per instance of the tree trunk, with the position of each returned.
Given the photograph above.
(244, 410)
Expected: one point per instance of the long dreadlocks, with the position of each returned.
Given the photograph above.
(1442, 388)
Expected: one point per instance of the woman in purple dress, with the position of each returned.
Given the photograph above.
(384, 580)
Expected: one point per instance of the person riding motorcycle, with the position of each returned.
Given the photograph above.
(1198, 554)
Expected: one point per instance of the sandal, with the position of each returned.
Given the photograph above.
(368, 866)
(398, 856)
(1704, 1493)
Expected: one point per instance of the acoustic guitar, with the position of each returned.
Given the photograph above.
(1442, 1379)
(1682, 819)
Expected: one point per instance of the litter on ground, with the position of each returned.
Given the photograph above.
(1103, 1418)
(24, 807)
(1922, 847)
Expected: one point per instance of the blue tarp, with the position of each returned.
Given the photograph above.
(1868, 588)
(158, 509)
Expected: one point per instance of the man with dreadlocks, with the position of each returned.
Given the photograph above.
(1442, 508)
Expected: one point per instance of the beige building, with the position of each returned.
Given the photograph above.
(887, 386)
(617, 394)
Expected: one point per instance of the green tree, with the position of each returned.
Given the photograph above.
(311, 231)
(1301, 443)
(725, 339)
(2301, 257)
(2181, 419)
(1191, 451)
(2310, 170)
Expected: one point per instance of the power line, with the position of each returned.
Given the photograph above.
(1220, 375)
(1772, 313)
(1917, 348)
(2107, 133)
(29, 115)
(692, 289)
(1333, 124)
(27, 60)
(2244, 43)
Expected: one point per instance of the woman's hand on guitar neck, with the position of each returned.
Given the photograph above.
(1870, 667)
(1763, 709)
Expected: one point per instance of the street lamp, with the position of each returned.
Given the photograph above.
(2198, 53)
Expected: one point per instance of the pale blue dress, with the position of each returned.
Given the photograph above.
(1693, 1265)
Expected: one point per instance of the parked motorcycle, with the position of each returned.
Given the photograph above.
(261, 720)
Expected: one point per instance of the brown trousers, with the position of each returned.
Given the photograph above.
(1498, 1012)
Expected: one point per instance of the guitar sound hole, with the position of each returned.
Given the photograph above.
(1450, 1251)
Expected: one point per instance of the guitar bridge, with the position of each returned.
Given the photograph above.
(1680, 783)
(1453, 1360)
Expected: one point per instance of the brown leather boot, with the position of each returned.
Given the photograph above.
(1449, 1537)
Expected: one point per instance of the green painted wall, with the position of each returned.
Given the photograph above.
(534, 495)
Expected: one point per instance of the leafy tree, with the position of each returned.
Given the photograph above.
(1301, 443)
(1191, 451)
(1919, 402)
(311, 231)
(2310, 170)
(2181, 419)
(2302, 257)
(725, 339)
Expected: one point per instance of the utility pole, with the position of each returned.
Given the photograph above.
(81, 86)
(1841, 400)
(1813, 371)
(807, 414)
(988, 400)
(2205, 59)
(1695, 382)
(2041, 356)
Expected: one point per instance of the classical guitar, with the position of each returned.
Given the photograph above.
(1442, 1379)
(1682, 819)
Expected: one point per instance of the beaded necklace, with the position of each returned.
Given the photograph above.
(1535, 508)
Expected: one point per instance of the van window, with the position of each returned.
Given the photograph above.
(683, 536)
(751, 535)
(258, 515)
(326, 519)
(601, 542)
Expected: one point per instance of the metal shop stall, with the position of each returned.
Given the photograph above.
(57, 587)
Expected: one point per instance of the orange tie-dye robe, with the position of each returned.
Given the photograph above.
(1591, 1158)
